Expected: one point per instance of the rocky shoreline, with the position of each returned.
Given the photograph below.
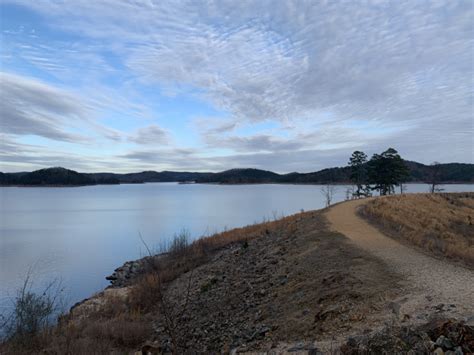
(123, 275)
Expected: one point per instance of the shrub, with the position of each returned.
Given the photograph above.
(33, 313)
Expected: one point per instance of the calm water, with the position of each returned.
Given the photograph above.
(82, 234)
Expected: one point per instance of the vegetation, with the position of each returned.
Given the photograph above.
(222, 291)
(386, 171)
(122, 320)
(328, 192)
(356, 172)
(434, 177)
(54, 177)
(358, 164)
(441, 223)
(241, 176)
(33, 313)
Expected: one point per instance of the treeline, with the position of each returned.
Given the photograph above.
(54, 177)
(415, 172)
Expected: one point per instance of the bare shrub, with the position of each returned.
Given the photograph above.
(33, 313)
(179, 243)
(328, 192)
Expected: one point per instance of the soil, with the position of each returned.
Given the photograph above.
(302, 287)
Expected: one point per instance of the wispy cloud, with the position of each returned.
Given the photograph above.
(150, 135)
(32, 107)
(345, 75)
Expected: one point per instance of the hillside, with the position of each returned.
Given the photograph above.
(295, 285)
(154, 176)
(449, 173)
(441, 224)
(241, 176)
(54, 177)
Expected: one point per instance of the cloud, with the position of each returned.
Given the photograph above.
(194, 160)
(214, 125)
(255, 143)
(368, 68)
(180, 158)
(150, 135)
(29, 106)
(17, 156)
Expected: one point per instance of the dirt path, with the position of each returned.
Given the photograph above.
(429, 281)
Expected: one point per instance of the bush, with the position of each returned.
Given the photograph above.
(33, 313)
(179, 244)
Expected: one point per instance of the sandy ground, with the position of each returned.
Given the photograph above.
(429, 281)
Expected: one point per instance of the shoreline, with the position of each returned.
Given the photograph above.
(239, 184)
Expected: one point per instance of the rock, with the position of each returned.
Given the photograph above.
(302, 346)
(444, 342)
(458, 351)
(283, 280)
(438, 351)
(263, 330)
(470, 321)
(429, 344)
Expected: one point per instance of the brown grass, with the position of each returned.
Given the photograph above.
(442, 224)
(105, 329)
(125, 323)
(165, 268)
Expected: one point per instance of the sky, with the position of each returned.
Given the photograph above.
(128, 85)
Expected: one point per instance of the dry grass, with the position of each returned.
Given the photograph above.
(124, 323)
(165, 268)
(439, 223)
(105, 329)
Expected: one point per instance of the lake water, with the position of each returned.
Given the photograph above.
(82, 234)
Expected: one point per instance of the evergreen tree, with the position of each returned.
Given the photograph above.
(358, 164)
(386, 171)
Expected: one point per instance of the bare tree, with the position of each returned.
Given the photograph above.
(349, 193)
(434, 177)
(328, 192)
(403, 188)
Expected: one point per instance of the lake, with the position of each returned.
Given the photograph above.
(81, 234)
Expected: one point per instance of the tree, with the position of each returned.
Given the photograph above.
(328, 192)
(358, 164)
(386, 171)
(434, 177)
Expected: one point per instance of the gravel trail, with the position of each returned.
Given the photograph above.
(431, 283)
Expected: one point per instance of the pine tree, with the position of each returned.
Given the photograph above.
(358, 164)
(386, 171)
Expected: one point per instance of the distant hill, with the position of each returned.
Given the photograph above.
(450, 173)
(241, 176)
(53, 177)
(153, 176)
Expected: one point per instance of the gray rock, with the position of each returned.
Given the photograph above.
(470, 321)
(302, 346)
(444, 342)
